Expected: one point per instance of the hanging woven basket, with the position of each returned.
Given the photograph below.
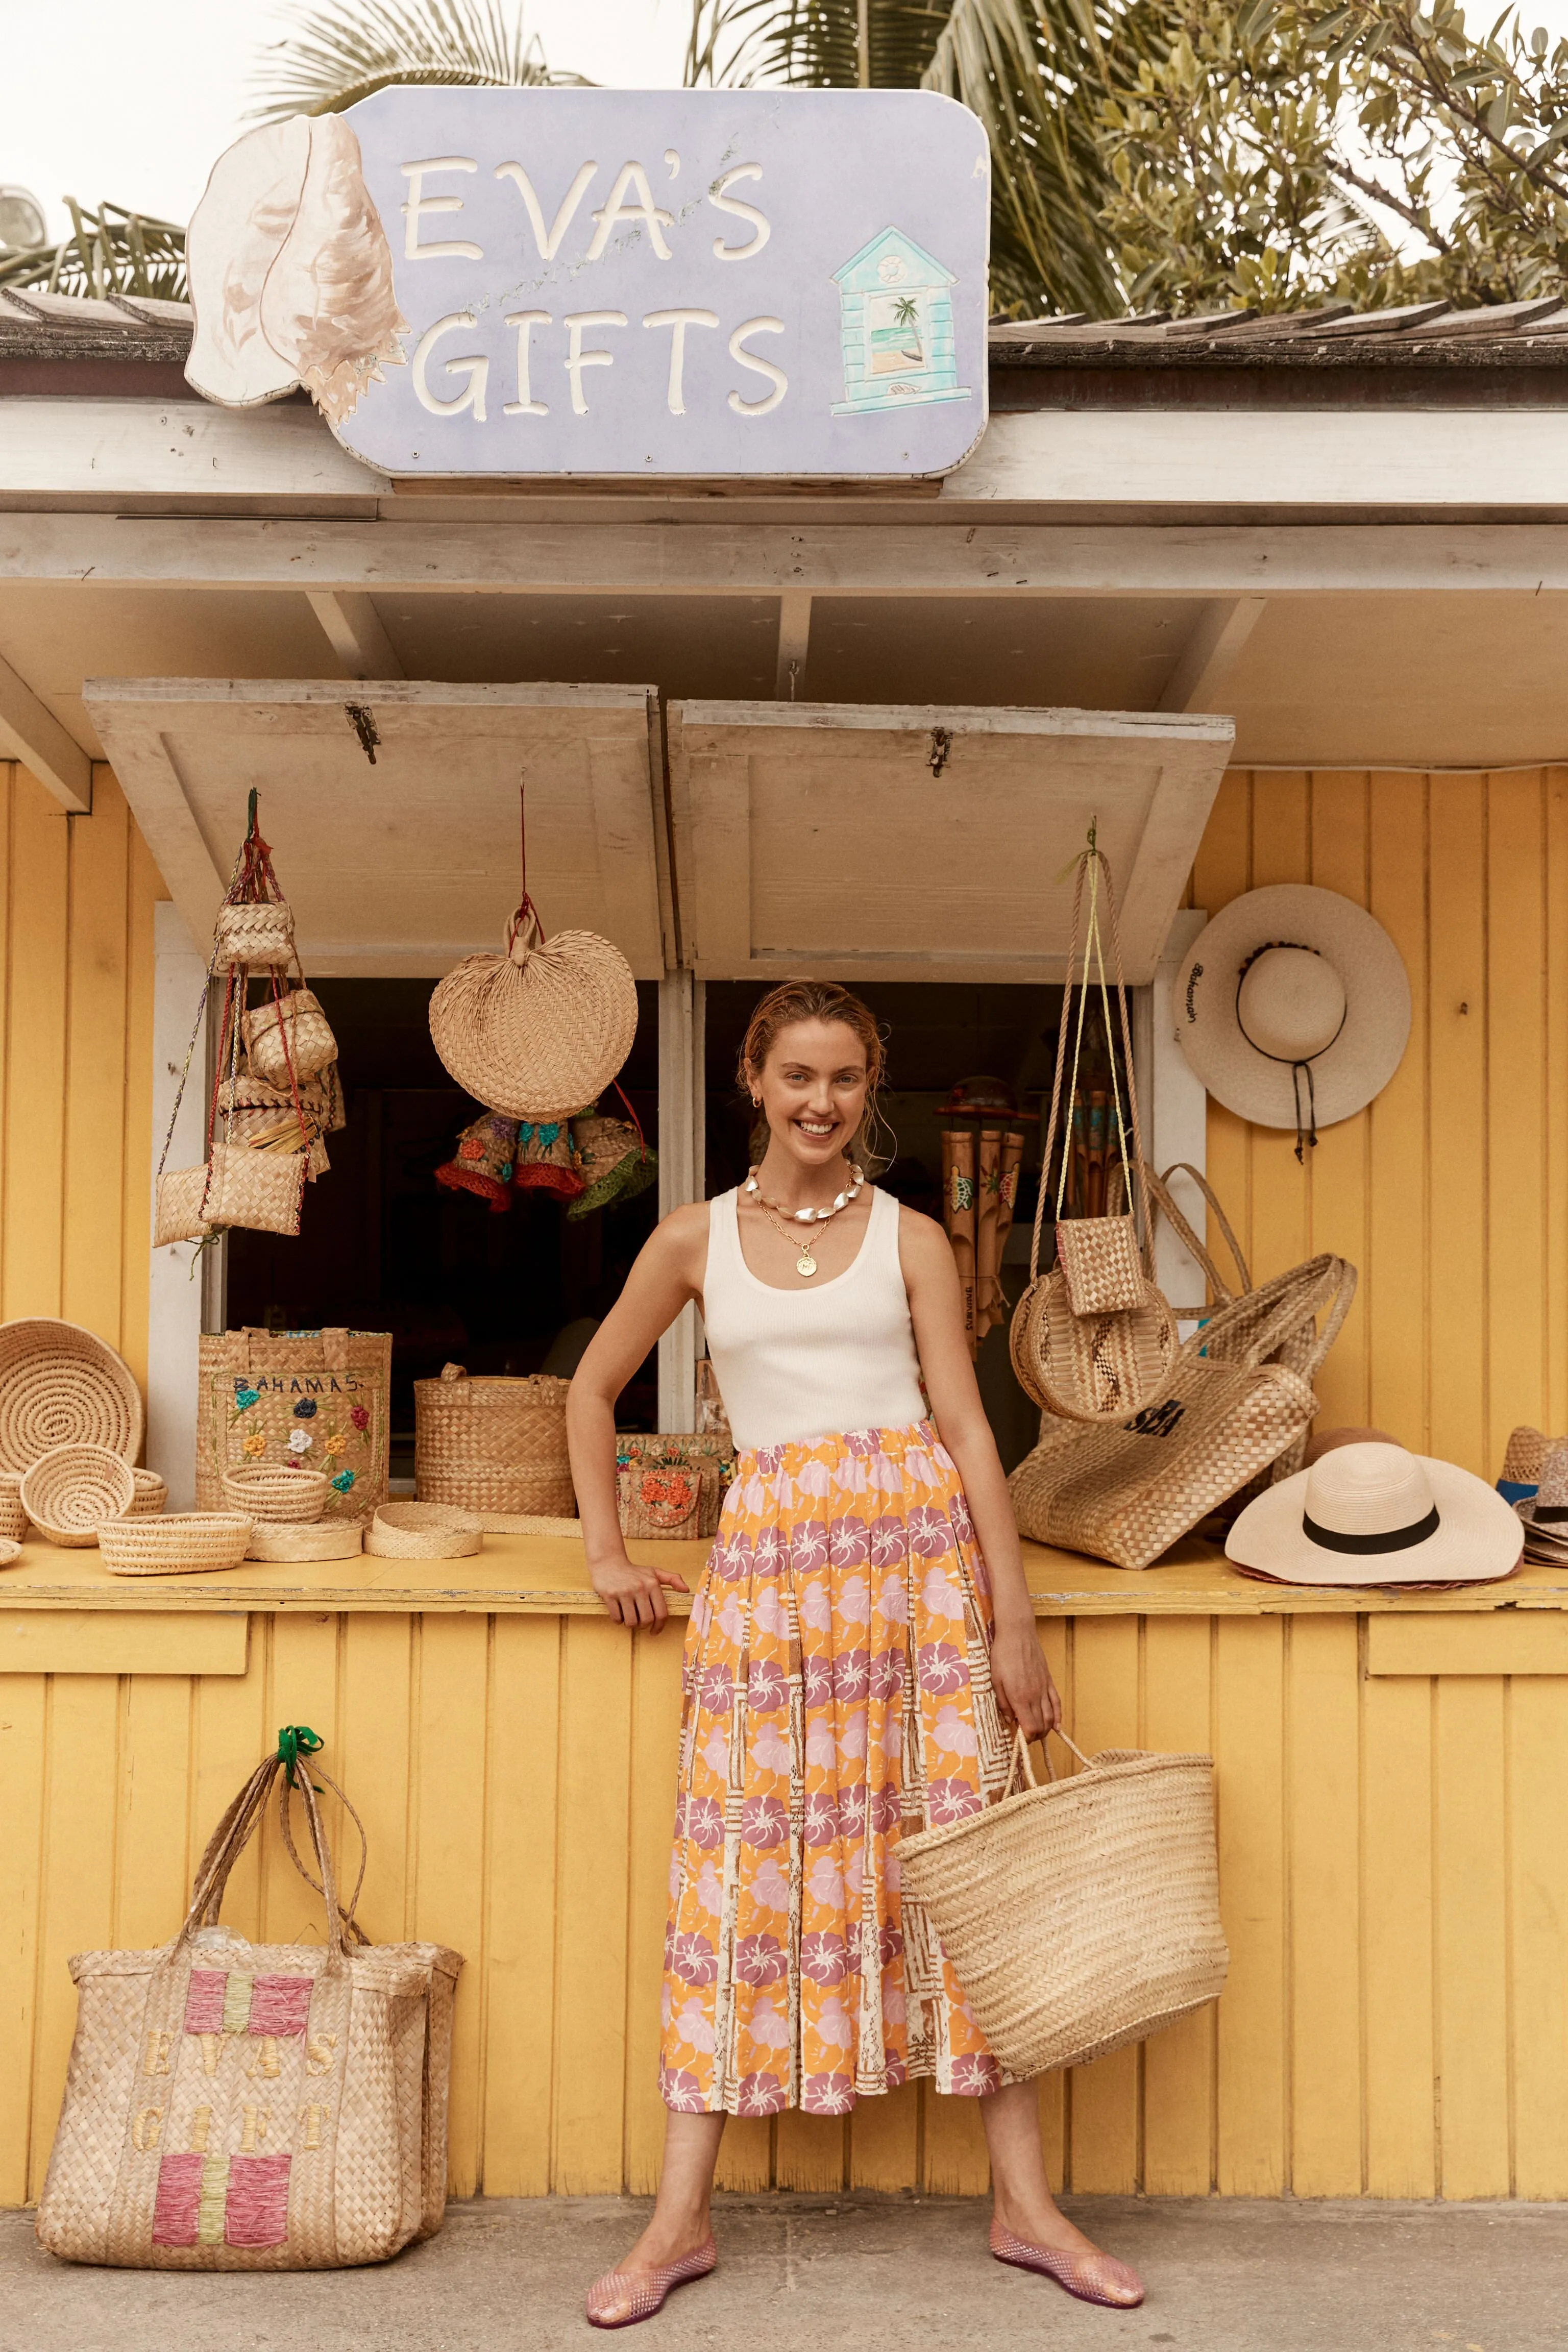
(289, 1030)
(541, 1031)
(254, 937)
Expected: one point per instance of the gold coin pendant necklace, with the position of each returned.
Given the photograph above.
(775, 1213)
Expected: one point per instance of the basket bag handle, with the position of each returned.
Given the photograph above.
(1022, 1761)
(235, 1831)
(1159, 1190)
(1091, 862)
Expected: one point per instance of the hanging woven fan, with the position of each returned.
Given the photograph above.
(542, 1030)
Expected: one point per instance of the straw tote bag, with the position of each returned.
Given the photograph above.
(1126, 1493)
(1093, 1340)
(232, 2106)
(1083, 1915)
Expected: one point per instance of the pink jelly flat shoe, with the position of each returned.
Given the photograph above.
(1093, 2278)
(622, 2297)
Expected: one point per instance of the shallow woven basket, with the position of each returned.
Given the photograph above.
(311, 1043)
(493, 1444)
(273, 1492)
(62, 1385)
(420, 1531)
(541, 1031)
(151, 1495)
(1083, 1915)
(67, 1491)
(10, 1552)
(13, 1518)
(304, 1540)
(181, 1543)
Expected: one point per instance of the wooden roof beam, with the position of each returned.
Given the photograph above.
(1212, 651)
(31, 733)
(355, 632)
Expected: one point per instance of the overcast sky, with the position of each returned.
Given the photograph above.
(103, 97)
(134, 102)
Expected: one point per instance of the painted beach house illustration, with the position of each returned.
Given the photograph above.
(895, 324)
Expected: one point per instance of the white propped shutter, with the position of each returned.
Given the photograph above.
(840, 839)
(404, 862)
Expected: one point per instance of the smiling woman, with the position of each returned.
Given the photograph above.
(861, 1632)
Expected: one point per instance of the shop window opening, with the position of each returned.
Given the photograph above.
(382, 1246)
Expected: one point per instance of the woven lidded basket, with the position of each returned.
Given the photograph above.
(1082, 1915)
(304, 1540)
(62, 1385)
(421, 1531)
(13, 1518)
(541, 1031)
(255, 934)
(276, 1491)
(179, 1543)
(67, 1491)
(493, 1444)
(291, 1029)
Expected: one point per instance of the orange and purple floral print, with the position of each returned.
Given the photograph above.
(837, 1690)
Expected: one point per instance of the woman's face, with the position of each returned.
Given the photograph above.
(813, 1087)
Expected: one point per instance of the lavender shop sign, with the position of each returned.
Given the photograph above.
(487, 282)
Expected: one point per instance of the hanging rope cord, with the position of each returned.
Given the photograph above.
(1093, 865)
(251, 882)
(1306, 1128)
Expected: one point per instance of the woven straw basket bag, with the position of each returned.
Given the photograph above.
(232, 2106)
(1092, 1340)
(256, 935)
(289, 1033)
(1083, 1915)
(493, 1444)
(541, 1031)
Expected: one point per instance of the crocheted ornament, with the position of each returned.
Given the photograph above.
(613, 1161)
(544, 1158)
(483, 1164)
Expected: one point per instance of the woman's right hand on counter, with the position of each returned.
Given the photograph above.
(633, 1595)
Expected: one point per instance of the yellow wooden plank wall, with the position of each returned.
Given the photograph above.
(1450, 1191)
(75, 1059)
(1393, 1861)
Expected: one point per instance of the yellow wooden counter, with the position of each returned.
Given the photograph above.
(1392, 1840)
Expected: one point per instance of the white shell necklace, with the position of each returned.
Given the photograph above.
(775, 1212)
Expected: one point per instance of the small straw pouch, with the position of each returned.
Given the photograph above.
(1093, 1340)
(240, 2106)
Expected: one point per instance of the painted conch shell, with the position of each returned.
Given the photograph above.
(290, 272)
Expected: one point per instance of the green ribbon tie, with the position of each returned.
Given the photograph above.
(294, 1741)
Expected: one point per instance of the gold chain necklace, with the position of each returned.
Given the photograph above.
(805, 1264)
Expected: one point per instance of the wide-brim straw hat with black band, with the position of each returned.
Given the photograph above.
(1293, 1007)
(1376, 1515)
(541, 1031)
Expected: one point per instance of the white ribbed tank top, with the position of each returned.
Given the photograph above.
(817, 1360)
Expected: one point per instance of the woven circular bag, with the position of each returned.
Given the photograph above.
(542, 1030)
(66, 1492)
(61, 1385)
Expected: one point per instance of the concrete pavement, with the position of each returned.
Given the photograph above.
(803, 2274)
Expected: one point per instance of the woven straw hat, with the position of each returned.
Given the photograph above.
(1376, 1515)
(1293, 1007)
(542, 1030)
(613, 1161)
(1545, 1510)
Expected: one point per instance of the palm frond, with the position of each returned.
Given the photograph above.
(334, 55)
(1032, 72)
(110, 251)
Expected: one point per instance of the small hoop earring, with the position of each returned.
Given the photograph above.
(756, 1102)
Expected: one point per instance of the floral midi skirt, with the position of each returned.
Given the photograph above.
(836, 1693)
